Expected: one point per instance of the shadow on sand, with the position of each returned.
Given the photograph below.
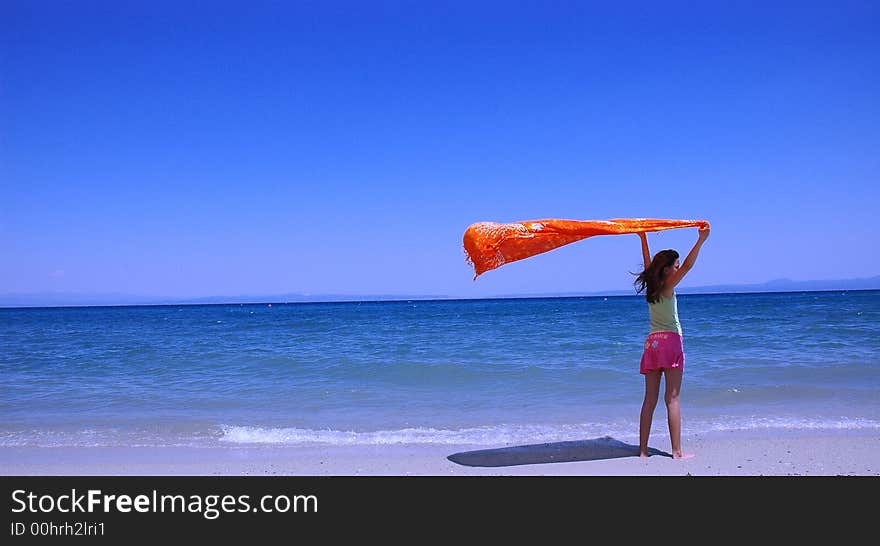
(556, 452)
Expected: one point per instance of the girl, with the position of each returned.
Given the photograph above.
(664, 351)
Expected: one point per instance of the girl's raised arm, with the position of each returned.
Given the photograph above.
(646, 254)
(689, 262)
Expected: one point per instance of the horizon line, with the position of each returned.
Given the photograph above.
(44, 300)
(431, 299)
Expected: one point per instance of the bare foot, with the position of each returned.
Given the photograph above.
(680, 455)
(644, 455)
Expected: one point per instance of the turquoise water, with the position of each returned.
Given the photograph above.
(482, 372)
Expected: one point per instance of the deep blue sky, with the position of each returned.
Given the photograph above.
(181, 149)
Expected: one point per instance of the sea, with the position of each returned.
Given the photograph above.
(492, 372)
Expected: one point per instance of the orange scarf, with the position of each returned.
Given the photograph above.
(489, 245)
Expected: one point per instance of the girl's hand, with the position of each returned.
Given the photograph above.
(703, 233)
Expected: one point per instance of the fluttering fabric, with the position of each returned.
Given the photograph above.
(489, 245)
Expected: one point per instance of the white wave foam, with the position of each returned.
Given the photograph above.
(109, 437)
(489, 435)
(757, 423)
(518, 434)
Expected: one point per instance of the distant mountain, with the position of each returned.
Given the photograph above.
(57, 299)
(776, 285)
(788, 285)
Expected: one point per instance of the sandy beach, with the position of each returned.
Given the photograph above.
(825, 453)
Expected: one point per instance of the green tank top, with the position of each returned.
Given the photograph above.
(664, 315)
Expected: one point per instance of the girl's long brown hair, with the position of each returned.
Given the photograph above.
(651, 279)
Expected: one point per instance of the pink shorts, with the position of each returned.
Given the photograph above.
(662, 350)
